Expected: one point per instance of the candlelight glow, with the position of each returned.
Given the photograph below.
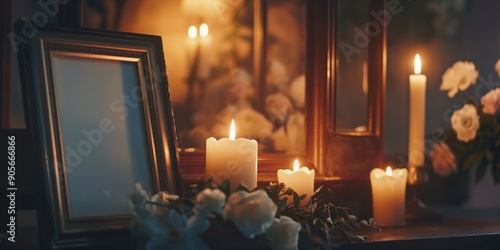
(296, 165)
(192, 32)
(203, 30)
(417, 65)
(232, 131)
(388, 171)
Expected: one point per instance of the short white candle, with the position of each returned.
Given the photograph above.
(417, 116)
(300, 180)
(388, 193)
(233, 159)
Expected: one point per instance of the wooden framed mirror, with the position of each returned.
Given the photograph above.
(335, 149)
(339, 153)
(335, 152)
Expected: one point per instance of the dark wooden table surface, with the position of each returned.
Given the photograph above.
(460, 228)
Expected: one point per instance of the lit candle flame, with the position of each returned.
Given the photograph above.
(192, 32)
(418, 64)
(296, 165)
(203, 30)
(388, 171)
(232, 131)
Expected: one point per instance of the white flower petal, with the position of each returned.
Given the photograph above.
(252, 213)
(460, 76)
(284, 234)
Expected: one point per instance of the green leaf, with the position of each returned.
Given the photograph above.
(208, 184)
(303, 196)
(296, 200)
(324, 193)
(275, 191)
(481, 170)
(321, 227)
(333, 212)
(316, 192)
(242, 187)
(495, 172)
(471, 160)
(225, 187)
(282, 203)
(318, 211)
(201, 185)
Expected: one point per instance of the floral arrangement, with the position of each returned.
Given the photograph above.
(474, 137)
(269, 217)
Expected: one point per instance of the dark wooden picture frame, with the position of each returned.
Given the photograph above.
(47, 61)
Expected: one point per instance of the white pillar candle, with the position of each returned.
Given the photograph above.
(388, 194)
(300, 180)
(233, 159)
(417, 116)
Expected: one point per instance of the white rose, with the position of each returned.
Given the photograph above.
(252, 213)
(208, 201)
(459, 77)
(465, 122)
(284, 234)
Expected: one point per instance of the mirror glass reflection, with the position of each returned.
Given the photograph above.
(210, 51)
(351, 107)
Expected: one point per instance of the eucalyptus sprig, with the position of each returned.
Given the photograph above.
(319, 218)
